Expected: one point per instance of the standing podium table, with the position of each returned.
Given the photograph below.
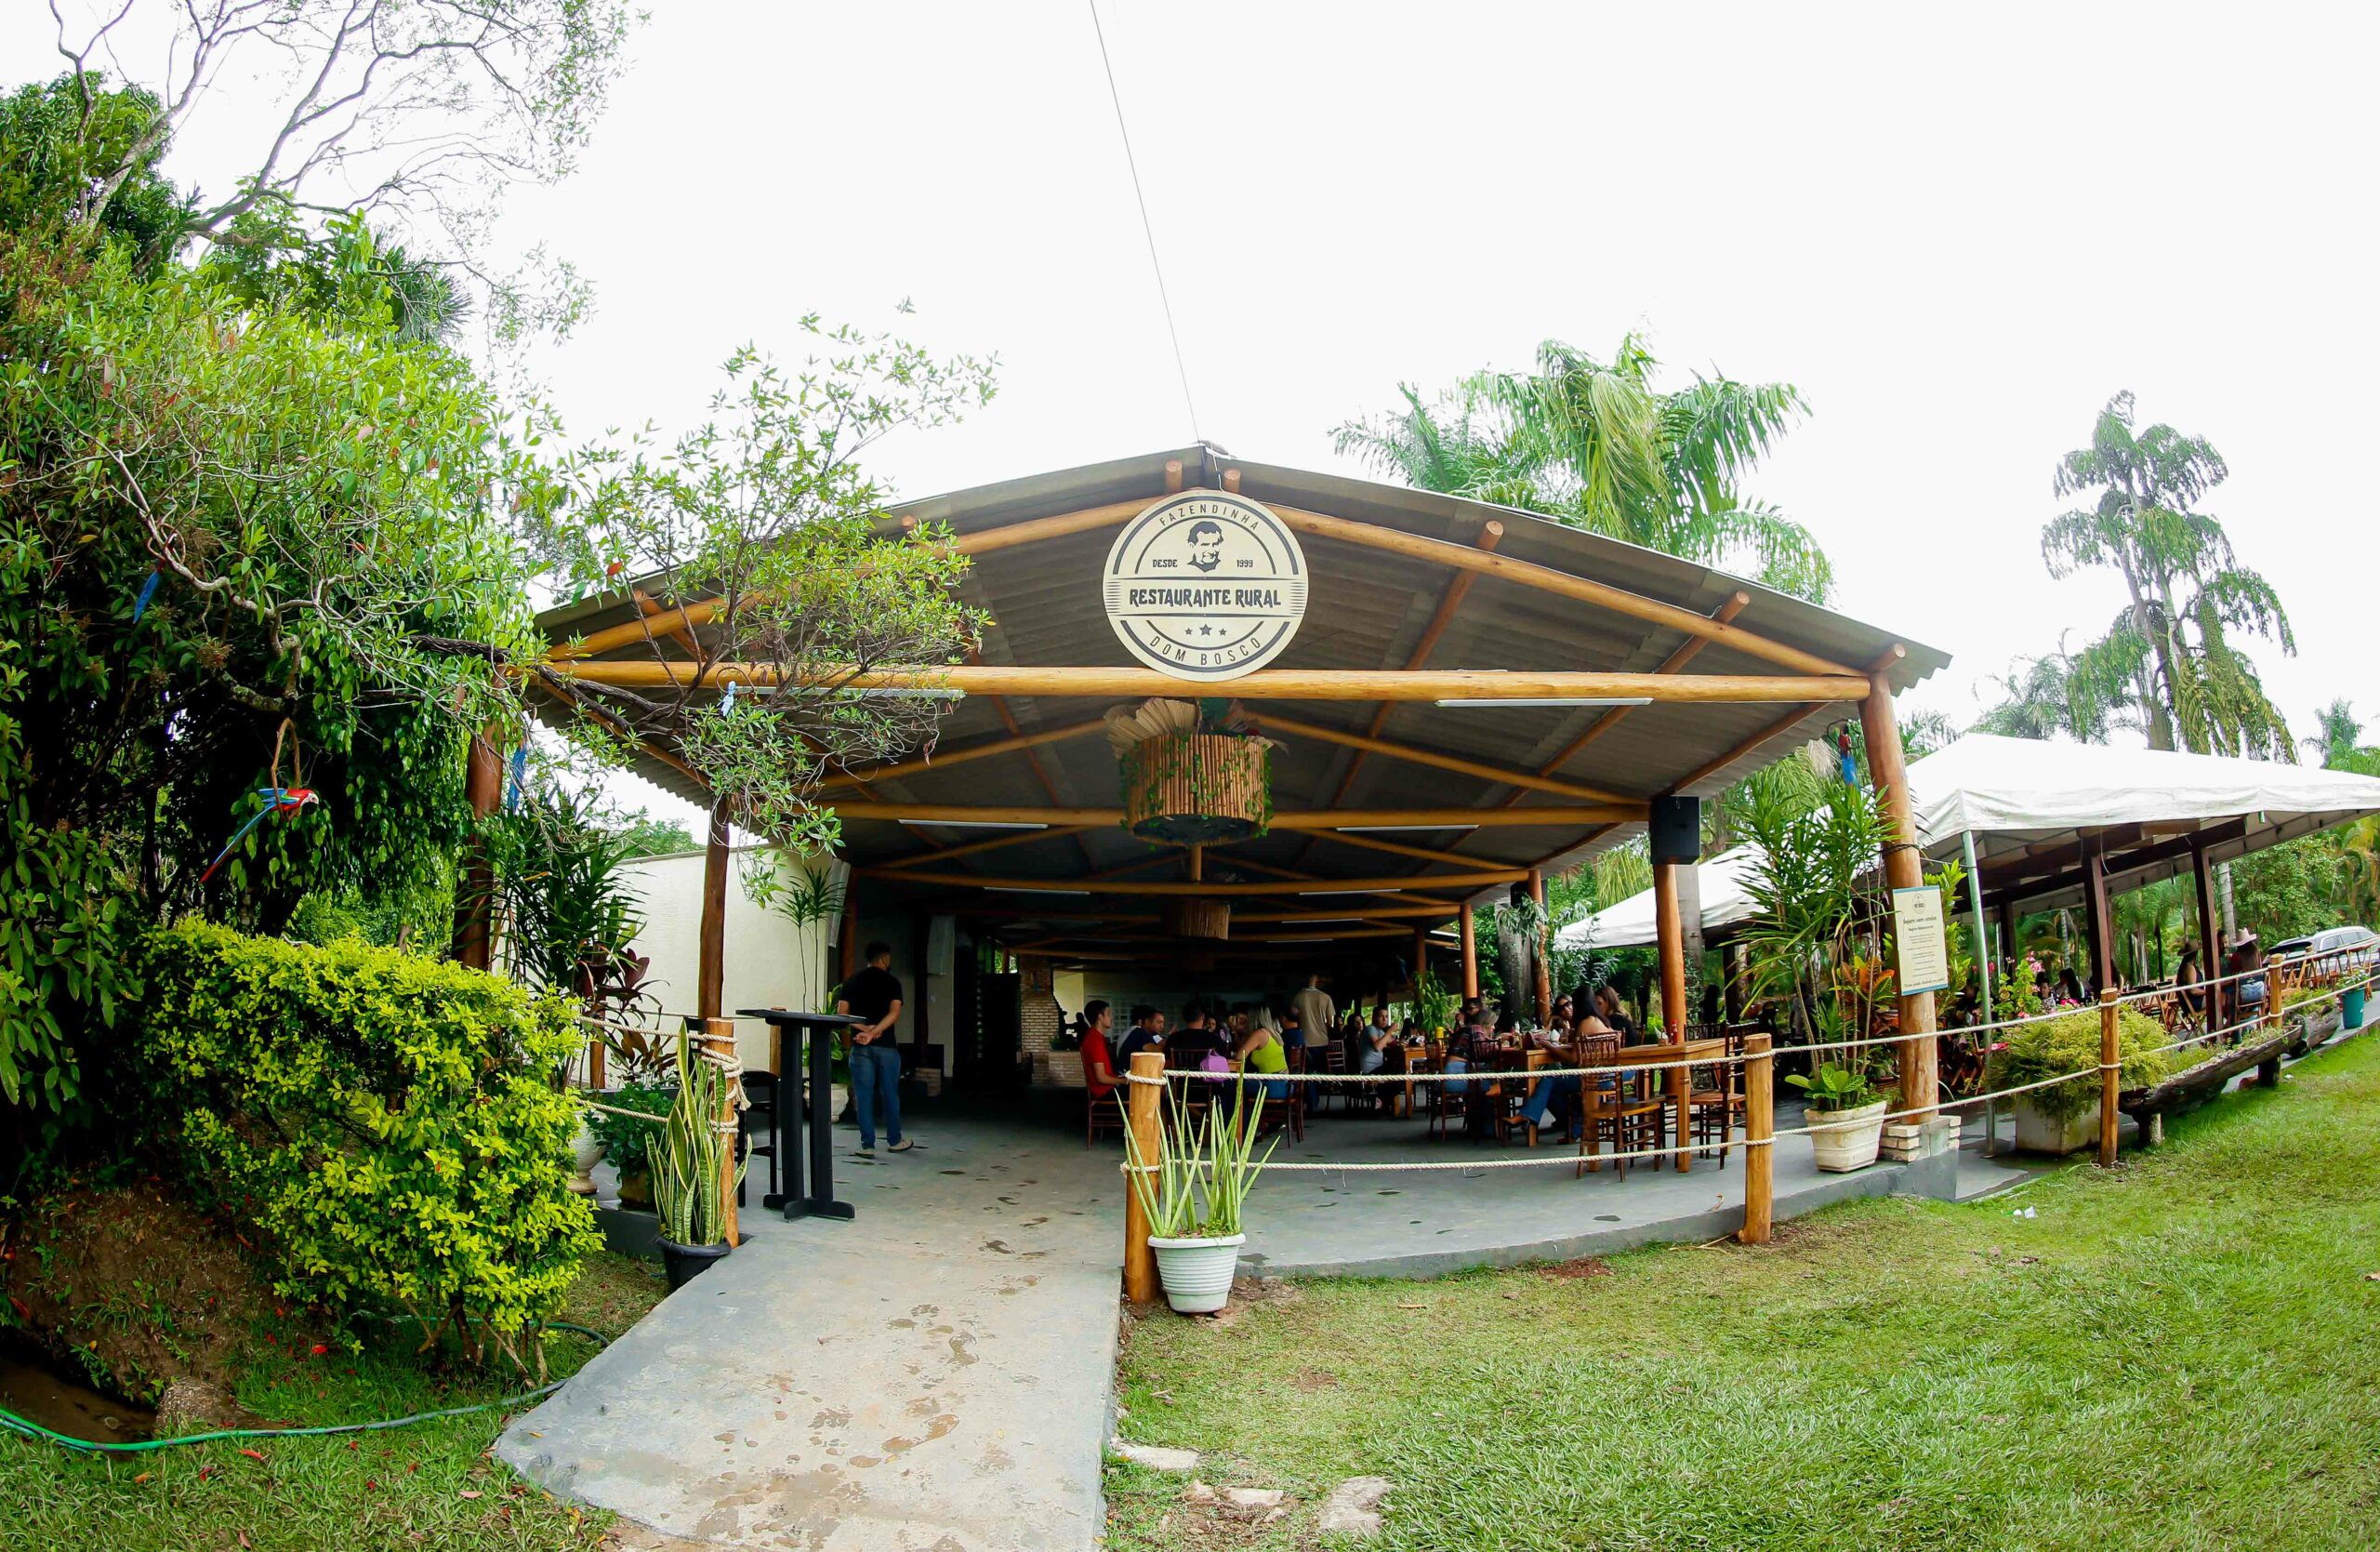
(813, 1102)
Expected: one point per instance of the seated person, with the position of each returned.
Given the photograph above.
(1147, 1033)
(1537, 1111)
(1373, 1041)
(1260, 1050)
(1613, 1018)
(1292, 1032)
(1197, 1040)
(1475, 1030)
(1097, 1065)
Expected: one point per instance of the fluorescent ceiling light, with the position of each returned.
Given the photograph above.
(1318, 937)
(982, 824)
(887, 692)
(1367, 830)
(1548, 700)
(1304, 893)
(1031, 889)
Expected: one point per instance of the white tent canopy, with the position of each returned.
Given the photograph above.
(2027, 803)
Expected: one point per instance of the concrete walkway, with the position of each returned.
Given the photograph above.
(933, 1377)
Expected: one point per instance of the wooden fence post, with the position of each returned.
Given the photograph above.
(718, 1035)
(1143, 1118)
(2111, 1077)
(1759, 1131)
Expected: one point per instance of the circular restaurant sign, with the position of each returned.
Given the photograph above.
(1205, 586)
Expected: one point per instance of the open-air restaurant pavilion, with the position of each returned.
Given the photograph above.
(1459, 700)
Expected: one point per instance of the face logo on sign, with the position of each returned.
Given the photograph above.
(1205, 586)
(1206, 545)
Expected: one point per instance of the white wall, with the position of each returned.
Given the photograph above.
(770, 961)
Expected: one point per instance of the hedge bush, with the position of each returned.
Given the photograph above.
(389, 1122)
(2055, 1046)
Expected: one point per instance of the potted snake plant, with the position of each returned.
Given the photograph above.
(689, 1171)
(1845, 1116)
(1194, 1192)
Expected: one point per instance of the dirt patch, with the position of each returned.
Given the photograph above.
(1573, 1271)
(134, 1291)
(1312, 1380)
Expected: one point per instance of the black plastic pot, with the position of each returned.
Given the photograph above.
(685, 1263)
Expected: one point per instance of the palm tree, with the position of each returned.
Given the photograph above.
(1596, 446)
(2187, 592)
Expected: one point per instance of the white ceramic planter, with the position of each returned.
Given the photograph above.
(1197, 1273)
(1847, 1139)
(585, 1154)
(2039, 1133)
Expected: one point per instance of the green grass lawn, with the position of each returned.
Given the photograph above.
(2184, 1353)
(430, 1485)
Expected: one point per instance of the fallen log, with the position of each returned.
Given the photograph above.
(2194, 1085)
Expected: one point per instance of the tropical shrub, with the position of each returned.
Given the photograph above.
(627, 1142)
(389, 1123)
(2057, 1046)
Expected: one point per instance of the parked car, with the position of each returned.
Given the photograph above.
(2347, 947)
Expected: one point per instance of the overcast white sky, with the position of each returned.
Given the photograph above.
(1957, 230)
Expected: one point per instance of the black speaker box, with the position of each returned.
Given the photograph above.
(1677, 830)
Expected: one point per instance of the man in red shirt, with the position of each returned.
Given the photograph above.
(1098, 1066)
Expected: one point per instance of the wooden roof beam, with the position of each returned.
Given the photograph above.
(1336, 685)
(1686, 654)
(1394, 750)
(1208, 887)
(1580, 814)
(969, 752)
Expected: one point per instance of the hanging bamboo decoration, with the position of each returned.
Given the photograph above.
(1187, 780)
(1196, 916)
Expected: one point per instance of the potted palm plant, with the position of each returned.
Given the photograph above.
(1193, 1191)
(689, 1171)
(1845, 1116)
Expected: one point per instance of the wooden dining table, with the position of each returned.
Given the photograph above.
(1676, 1090)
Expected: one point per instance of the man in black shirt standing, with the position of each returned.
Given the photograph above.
(873, 995)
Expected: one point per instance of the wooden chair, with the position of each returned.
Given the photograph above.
(1714, 1100)
(1100, 1113)
(1334, 1061)
(1628, 1112)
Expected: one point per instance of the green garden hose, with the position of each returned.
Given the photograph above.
(11, 1423)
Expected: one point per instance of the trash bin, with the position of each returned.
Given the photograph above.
(2351, 1009)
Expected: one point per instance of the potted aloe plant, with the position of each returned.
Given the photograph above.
(689, 1171)
(1845, 1116)
(1193, 1191)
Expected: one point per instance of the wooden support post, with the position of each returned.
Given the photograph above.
(718, 1035)
(475, 902)
(1470, 955)
(2097, 929)
(710, 973)
(1420, 961)
(2210, 941)
(1759, 1133)
(847, 950)
(2111, 1077)
(1670, 948)
(1538, 954)
(1920, 1060)
(1147, 1127)
(1732, 958)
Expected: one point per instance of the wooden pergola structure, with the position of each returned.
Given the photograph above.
(1477, 698)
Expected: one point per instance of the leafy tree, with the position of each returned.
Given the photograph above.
(239, 545)
(2187, 591)
(63, 139)
(762, 522)
(415, 114)
(1598, 446)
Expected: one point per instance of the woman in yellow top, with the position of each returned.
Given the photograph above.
(1259, 1052)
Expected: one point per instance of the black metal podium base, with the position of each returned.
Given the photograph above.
(812, 1108)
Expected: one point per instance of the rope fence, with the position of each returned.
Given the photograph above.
(2098, 1070)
